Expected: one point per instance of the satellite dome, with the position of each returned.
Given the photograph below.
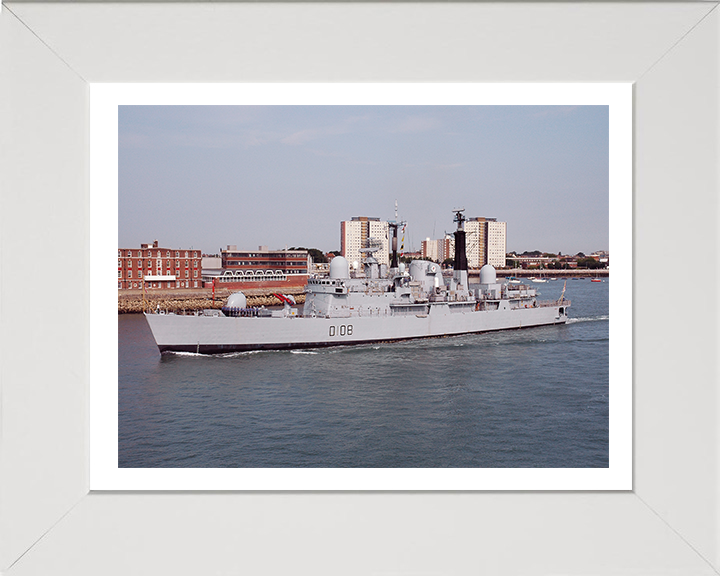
(487, 275)
(339, 268)
(236, 300)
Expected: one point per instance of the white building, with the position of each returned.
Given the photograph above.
(430, 249)
(496, 243)
(485, 240)
(354, 236)
(439, 250)
(475, 234)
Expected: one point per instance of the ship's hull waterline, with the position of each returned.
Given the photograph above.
(220, 334)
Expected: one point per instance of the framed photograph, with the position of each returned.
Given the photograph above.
(64, 513)
(583, 442)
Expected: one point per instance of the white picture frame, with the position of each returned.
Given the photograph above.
(668, 523)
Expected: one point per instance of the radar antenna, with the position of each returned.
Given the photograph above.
(459, 217)
(372, 245)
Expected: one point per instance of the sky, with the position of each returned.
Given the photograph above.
(205, 177)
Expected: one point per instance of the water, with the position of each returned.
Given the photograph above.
(535, 397)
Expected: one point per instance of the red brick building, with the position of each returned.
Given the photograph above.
(153, 267)
(261, 268)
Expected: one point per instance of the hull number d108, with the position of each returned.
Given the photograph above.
(342, 330)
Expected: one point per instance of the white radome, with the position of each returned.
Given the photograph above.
(236, 300)
(339, 268)
(487, 275)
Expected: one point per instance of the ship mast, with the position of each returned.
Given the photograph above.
(460, 265)
(395, 225)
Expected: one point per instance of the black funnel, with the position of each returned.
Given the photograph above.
(394, 261)
(460, 262)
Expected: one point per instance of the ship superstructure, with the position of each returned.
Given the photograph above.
(369, 305)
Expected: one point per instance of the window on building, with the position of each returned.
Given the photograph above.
(186, 274)
(119, 273)
(195, 273)
(195, 284)
(186, 254)
(129, 273)
(168, 254)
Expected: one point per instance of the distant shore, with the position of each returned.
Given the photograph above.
(570, 273)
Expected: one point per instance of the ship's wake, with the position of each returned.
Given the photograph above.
(589, 319)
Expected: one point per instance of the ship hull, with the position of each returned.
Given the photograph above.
(220, 334)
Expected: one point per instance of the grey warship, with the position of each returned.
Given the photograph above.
(407, 302)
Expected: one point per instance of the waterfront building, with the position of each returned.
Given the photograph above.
(152, 267)
(211, 263)
(475, 237)
(496, 243)
(354, 236)
(486, 242)
(535, 261)
(261, 268)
